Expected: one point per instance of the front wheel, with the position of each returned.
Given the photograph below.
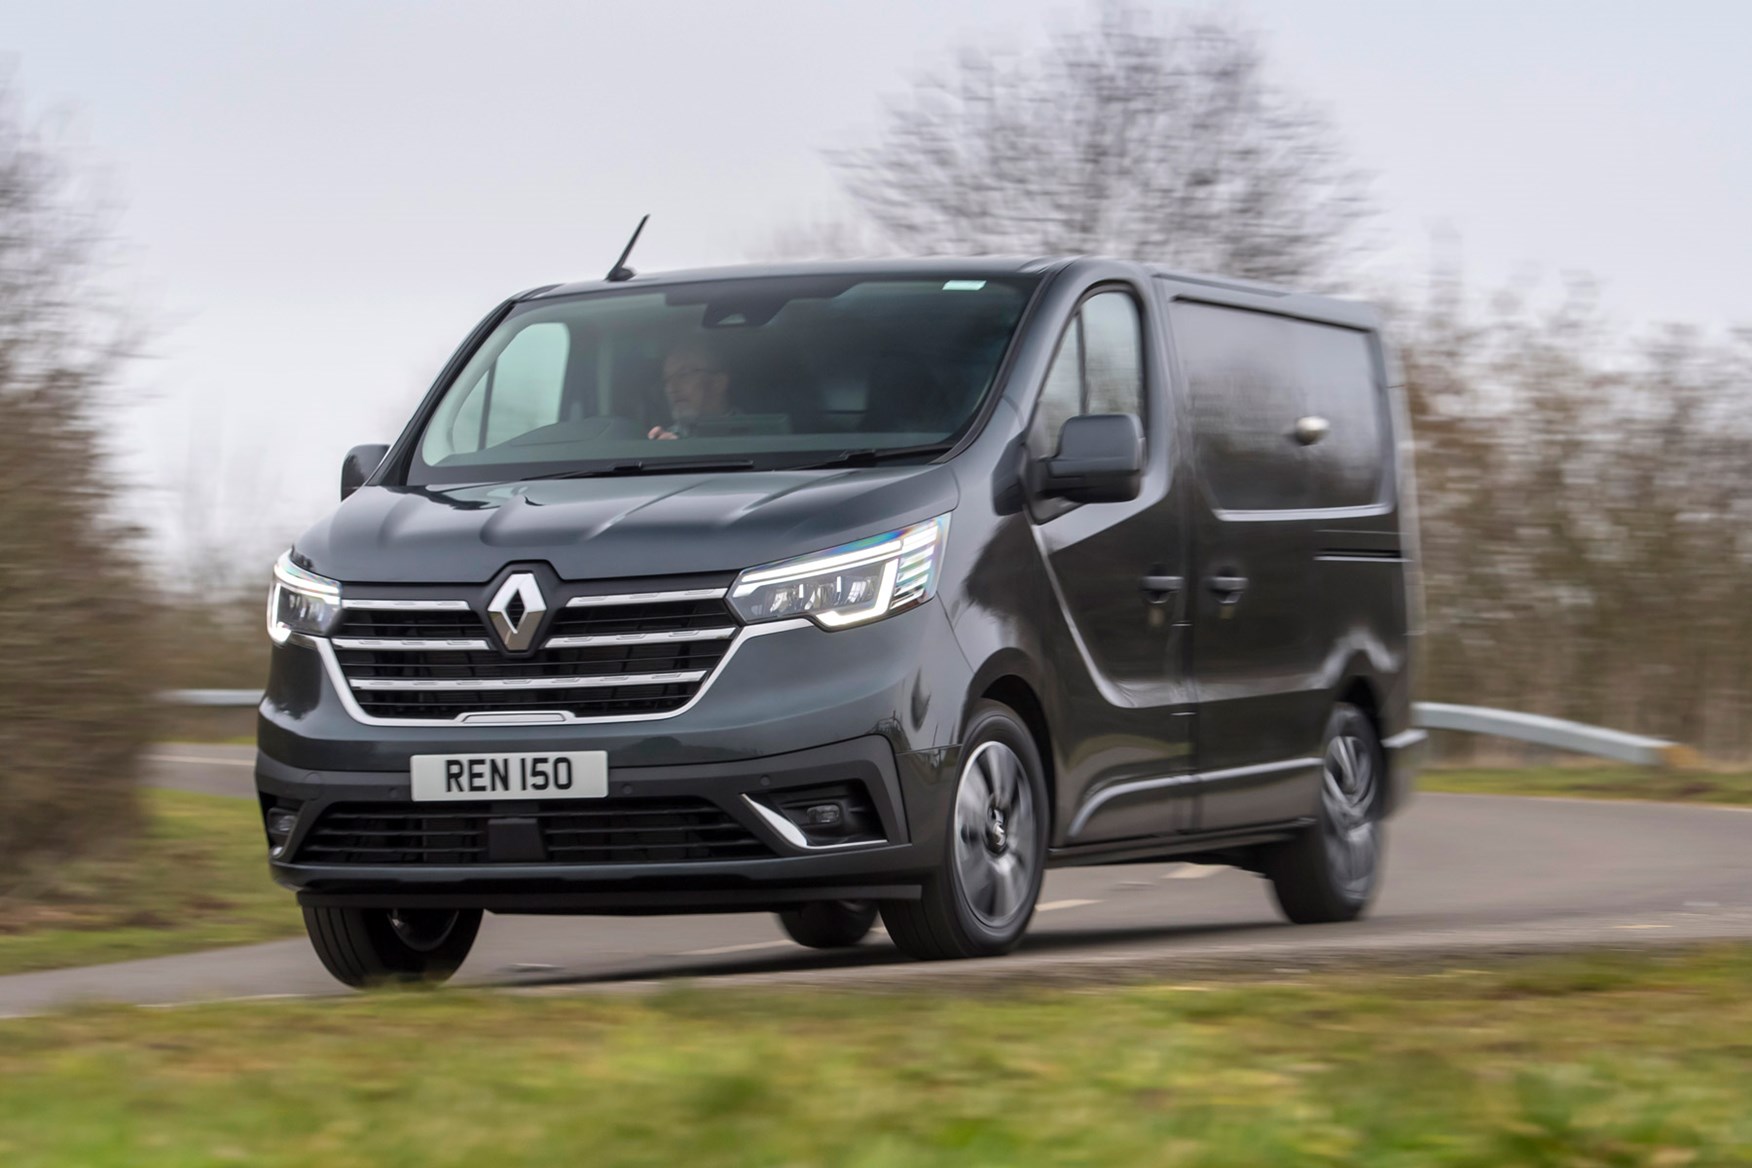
(979, 901)
(1330, 871)
(374, 946)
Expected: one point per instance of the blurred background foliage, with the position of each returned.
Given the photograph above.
(1586, 497)
(75, 608)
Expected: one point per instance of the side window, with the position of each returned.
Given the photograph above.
(1061, 396)
(1099, 368)
(1113, 362)
(1250, 376)
(521, 391)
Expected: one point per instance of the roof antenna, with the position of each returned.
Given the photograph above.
(620, 272)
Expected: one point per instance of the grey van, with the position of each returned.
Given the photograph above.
(837, 590)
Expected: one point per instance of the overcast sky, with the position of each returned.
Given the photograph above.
(319, 198)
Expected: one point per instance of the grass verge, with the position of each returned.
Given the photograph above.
(197, 880)
(1596, 783)
(1601, 1060)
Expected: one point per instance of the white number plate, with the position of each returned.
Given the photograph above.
(578, 774)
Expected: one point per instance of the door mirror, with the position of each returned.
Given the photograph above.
(358, 465)
(1100, 459)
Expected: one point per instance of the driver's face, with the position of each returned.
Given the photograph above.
(695, 388)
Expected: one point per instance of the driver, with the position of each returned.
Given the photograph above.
(697, 386)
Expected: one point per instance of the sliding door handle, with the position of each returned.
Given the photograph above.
(1157, 589)
(1227, 588)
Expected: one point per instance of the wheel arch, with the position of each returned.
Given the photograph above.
(1357, 690)
(1011, 681)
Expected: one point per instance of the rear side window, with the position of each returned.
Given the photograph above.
(1099, 368)
(1250, 376)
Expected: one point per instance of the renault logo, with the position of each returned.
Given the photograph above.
(516, 611)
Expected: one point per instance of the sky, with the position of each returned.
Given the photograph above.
(316, 200)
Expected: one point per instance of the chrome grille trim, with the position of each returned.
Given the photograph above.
(471, 684)
(414, 645)
(669, 637)
(649, 597)
(332, 666)
(409, 605)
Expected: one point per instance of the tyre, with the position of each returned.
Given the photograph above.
(979, 900)
(829, 924)
(374, 946)
(1330, 871)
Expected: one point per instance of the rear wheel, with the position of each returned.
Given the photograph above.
(829, 924)
(1330, 871)
(374, 946)
(979, 901)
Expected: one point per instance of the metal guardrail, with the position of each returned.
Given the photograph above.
(1556, 733)
(211, 697)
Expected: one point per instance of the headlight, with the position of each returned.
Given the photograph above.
(301, 602)
(849, 584)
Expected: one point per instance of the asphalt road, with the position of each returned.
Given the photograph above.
(1466, 875)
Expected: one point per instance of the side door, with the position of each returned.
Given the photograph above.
(1258, 639)
(1117, 571)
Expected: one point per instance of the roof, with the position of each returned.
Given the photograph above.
(1251, 293)
(949, 266)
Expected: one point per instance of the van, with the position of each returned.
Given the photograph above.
(844, 590)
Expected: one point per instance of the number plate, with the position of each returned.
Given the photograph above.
(578, 774)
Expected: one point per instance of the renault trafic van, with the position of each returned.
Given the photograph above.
(837, 590)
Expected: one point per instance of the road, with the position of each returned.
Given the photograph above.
(1466, 875)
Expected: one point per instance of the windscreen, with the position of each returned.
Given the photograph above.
(753, 373)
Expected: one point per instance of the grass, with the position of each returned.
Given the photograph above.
(1596, 1061)
(1602, 782)
(198, 880)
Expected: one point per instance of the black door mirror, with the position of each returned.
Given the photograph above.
(358, 465)
(1100, 459)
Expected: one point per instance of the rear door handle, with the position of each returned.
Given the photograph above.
(1227, 588)
(1157, 589)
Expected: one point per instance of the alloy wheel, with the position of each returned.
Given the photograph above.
(1350, 828)
(996, 835)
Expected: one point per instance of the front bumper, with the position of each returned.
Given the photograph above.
(904, 792)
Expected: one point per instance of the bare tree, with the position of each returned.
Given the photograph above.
(1131, 136)
(74, 613)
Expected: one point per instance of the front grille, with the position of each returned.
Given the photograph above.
(601, 657)
(621, 831)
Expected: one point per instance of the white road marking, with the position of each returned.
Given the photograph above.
(1055, 905)
(242, 762)
(749, 948)
(1191, 872)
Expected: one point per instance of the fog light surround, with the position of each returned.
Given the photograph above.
(280, 823)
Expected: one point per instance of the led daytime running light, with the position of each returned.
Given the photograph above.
(847, 585)
(297, 579)
(316, 608)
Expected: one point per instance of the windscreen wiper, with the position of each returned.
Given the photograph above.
(870, 456)
(649, 466)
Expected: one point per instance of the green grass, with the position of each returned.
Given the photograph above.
(198, 880)
(1596, 1061)
(1605, 782)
